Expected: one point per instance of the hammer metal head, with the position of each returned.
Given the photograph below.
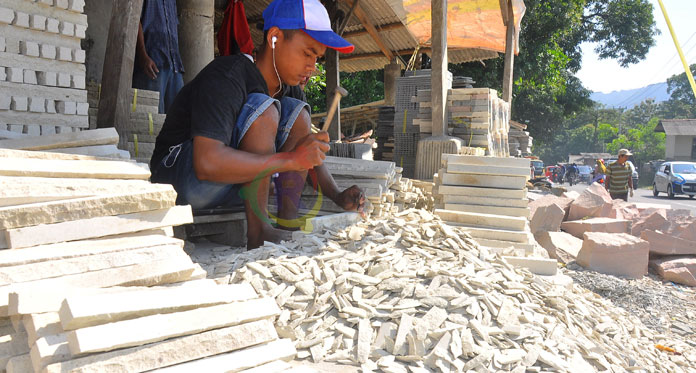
(342, 91)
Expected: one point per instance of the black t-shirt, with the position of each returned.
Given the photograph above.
(208, 105)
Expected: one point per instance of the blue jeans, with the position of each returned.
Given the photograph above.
(168, 83)
(176, 168)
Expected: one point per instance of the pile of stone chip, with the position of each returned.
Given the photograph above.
(411, 294)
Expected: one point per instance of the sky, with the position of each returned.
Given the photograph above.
(661, 62)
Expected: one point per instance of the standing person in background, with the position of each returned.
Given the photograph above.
(619, 182)
(158, 62)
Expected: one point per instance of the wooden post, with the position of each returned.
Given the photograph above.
(117, 75)
(509, 53)
(439, 66)
(196, 35)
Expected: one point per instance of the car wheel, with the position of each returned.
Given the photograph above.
(691, 196)
(670, 193)
(655, 192)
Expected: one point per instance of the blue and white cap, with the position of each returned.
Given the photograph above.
(307, 15)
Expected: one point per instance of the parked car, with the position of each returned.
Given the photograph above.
(585, 174)
(675, 178)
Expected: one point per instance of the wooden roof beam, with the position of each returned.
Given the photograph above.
(370, 28)
(387, 27)
(363, 56)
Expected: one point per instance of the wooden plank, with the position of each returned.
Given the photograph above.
(114, 107)
(97, 227)
(157, 328)
(73, 169)
(172, 351)
(103, 136)
(84, 311)
(159, 196)
(370, 28)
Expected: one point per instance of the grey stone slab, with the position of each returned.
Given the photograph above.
(29, 48)
(48, 78)
(30, 77)
(19, 103)
(15, 74)
(47, 51)
(6, 15)
(54, 93)
(37, 105)
(37, 22)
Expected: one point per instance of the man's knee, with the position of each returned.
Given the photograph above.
(260, 137)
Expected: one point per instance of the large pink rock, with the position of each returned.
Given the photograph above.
(547, 200)
(589, 203)
(681, 270)
(664, 244)
(547, 218)
(560, 245)
(617, 254)
(688, 231)
(656, 221)
(570, 194)
(578, 227)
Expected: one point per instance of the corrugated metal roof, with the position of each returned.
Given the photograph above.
(380, 13)
(677, 127)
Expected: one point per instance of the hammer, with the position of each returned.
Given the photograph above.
(340, 92)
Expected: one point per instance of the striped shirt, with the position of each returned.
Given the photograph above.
(160, 24)
(618, 177)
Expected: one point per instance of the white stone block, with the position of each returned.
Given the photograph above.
(64, 54)
(19, 103)
(37, 104)
(18, 128)
(15, 74)
(67, 28)
(66, 107)
(37, 22)
(2, 43)
(3, 74)
(30, 77)
(6, 15)
(64, 80)
(51, 106)
(48, 130)
(5, 104)
(32, 129)
(29, 48)
(21, 19)
(78, 81)
(77, 6)
(52, 25)
(47, 78)
(82, 108)
(47, 51)
(81, 31)
(79, 55)
(45, 2)
(63, 4)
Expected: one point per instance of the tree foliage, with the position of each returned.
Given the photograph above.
(363, 87)
(682, 103)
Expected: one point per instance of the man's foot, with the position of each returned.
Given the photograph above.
(269, 234)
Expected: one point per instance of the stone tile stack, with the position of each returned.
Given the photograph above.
(617, 237)
(486, 196)
(412, 294)
(145, 120)
(98, 143)
(385, 188)
(42, 70)
(93, 281)
(476, 115)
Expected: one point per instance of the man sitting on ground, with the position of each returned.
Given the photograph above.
(237, 123)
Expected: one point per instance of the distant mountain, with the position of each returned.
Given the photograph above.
(632, 97)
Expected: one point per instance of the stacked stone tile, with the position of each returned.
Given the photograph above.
(145, 120)
(385, 134)
(412, 294)
(617, 237)
(520, 142)
(95, 282)
(476, 115)
(42, 71)
(488, 197)
(99, 143)
(386, 190)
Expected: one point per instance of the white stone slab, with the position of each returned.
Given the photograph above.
(488, 170)
(52, 25)
(19, 103)
(486, 161)
(495, 210)
(15, 74)
(47, 51)
(29, 48)
(21, 19)
(539, 266)
(6, 15)
(73, 169)
(487, 181)
(48, 78)
(37, 22)
(483, 220)
(30, 77)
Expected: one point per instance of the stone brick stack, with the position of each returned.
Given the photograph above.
(93, 280)
(145, 120)
(486, 196)
(617, 237)
(42, 71)
(476, 115)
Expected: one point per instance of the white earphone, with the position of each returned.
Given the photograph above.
(273, 41)
(280, 82)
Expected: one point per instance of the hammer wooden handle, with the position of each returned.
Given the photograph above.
(340, 92)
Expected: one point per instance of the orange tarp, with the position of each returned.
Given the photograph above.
(470, 23)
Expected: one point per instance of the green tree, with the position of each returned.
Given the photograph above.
(363, 87)
(682, 103)
(643, 141)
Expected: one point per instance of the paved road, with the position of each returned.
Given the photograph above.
(645, 196)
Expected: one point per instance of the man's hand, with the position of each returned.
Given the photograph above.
(148, 66)
(351, 199)
(310, 151)
(631, 192)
